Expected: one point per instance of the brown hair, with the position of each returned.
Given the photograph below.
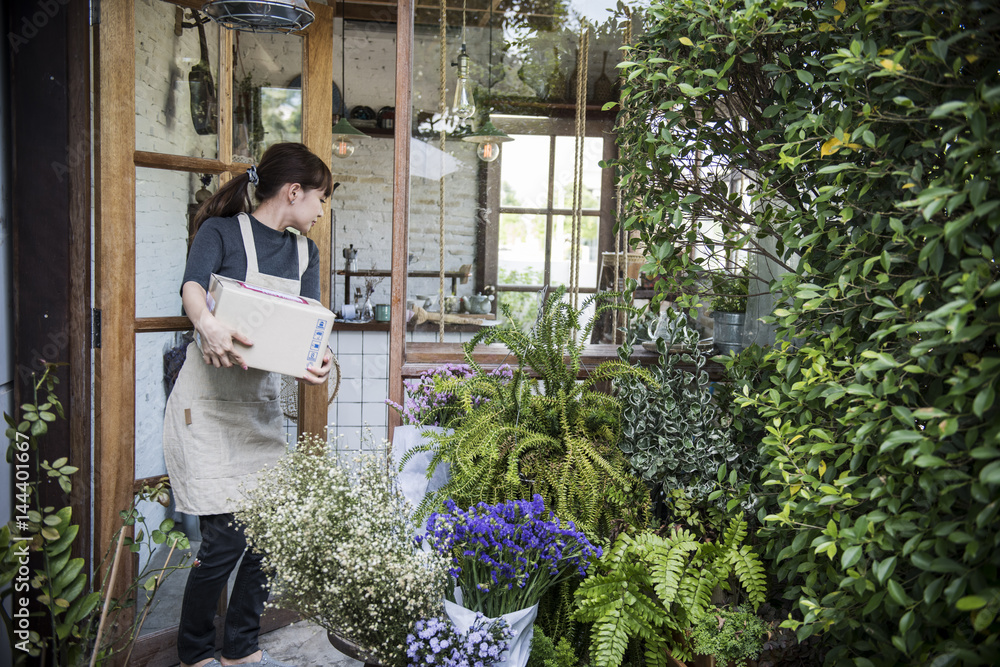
(282, 163)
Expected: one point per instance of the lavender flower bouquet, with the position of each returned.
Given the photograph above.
(439, 642)
(506, 556)
(430, 398)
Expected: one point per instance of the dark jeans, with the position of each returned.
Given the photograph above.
(222, 544)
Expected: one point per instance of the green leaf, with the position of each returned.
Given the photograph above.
(984, 400)
(991, 473)
(884, 569)
(850, 556)
(897, 593)
(970, 603)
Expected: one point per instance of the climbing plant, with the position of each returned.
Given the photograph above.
(868, 134)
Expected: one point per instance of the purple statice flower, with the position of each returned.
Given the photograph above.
(506, 556)
(438, 642)
(430, 398)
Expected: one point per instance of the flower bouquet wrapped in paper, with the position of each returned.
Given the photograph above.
(505, 557)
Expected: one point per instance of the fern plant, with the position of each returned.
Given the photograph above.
(657, 588)
(549, 434)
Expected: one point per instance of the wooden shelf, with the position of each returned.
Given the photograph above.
(421, 357)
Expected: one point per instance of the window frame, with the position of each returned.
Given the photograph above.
(490, 196)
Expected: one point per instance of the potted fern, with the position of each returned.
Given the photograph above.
(541, 431)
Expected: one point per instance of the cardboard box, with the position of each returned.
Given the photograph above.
(289, 332)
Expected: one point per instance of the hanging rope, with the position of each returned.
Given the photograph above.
(443, 106)
(621, 254)
(581, 129)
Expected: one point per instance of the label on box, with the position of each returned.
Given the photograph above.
(315, 348)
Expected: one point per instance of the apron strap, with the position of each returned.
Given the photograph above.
(303, 247)
(248, 244)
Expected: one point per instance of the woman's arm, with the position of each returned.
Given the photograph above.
(216, 338)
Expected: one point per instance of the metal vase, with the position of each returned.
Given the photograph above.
(728, 332)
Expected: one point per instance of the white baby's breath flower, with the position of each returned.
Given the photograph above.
(336, 539)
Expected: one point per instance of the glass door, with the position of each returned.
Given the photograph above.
(183, 105)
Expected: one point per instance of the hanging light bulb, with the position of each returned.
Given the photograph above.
(489, 138)
(343, 148)
(488, 151)
(464, 106)
(342, 132)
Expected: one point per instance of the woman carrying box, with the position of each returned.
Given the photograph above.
(223, 422)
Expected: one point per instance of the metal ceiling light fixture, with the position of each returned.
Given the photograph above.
(260, 15)
(488, 136)
(343, 147)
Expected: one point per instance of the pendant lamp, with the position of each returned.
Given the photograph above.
(343, 131)
(260, 15)
(488, 136)
(465, 105)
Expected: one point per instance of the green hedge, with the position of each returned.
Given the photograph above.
(871, 140)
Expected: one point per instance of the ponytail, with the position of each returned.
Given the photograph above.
(282, 163)
(230, 199)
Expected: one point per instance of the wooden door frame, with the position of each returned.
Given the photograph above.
(115, 162)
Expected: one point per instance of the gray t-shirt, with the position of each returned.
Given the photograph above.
(218, 248)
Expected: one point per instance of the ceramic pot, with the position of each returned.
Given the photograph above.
(477, 304)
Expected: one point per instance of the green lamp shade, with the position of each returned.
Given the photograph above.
(343, 128)
(488, 133)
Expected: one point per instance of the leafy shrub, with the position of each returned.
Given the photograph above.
(81, 622)
(730, 292)
(428, 399)
(673, 433)
(733, 636)
(869, 137)
(546, 653)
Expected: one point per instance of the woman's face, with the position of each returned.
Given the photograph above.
(308, 208)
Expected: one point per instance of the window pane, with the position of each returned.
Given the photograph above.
(176, 81)
(562, 231)
(164, 207)
(593, 152)
(525, 172)
(267, 92)
(521, 255)
(523, 308)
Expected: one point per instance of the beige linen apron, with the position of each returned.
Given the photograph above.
(224, 425)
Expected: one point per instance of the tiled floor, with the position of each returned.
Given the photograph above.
(304, 645)
(301, 644)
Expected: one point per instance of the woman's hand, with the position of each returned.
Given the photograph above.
(216, 338)
(319, 375)
(217, 342)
